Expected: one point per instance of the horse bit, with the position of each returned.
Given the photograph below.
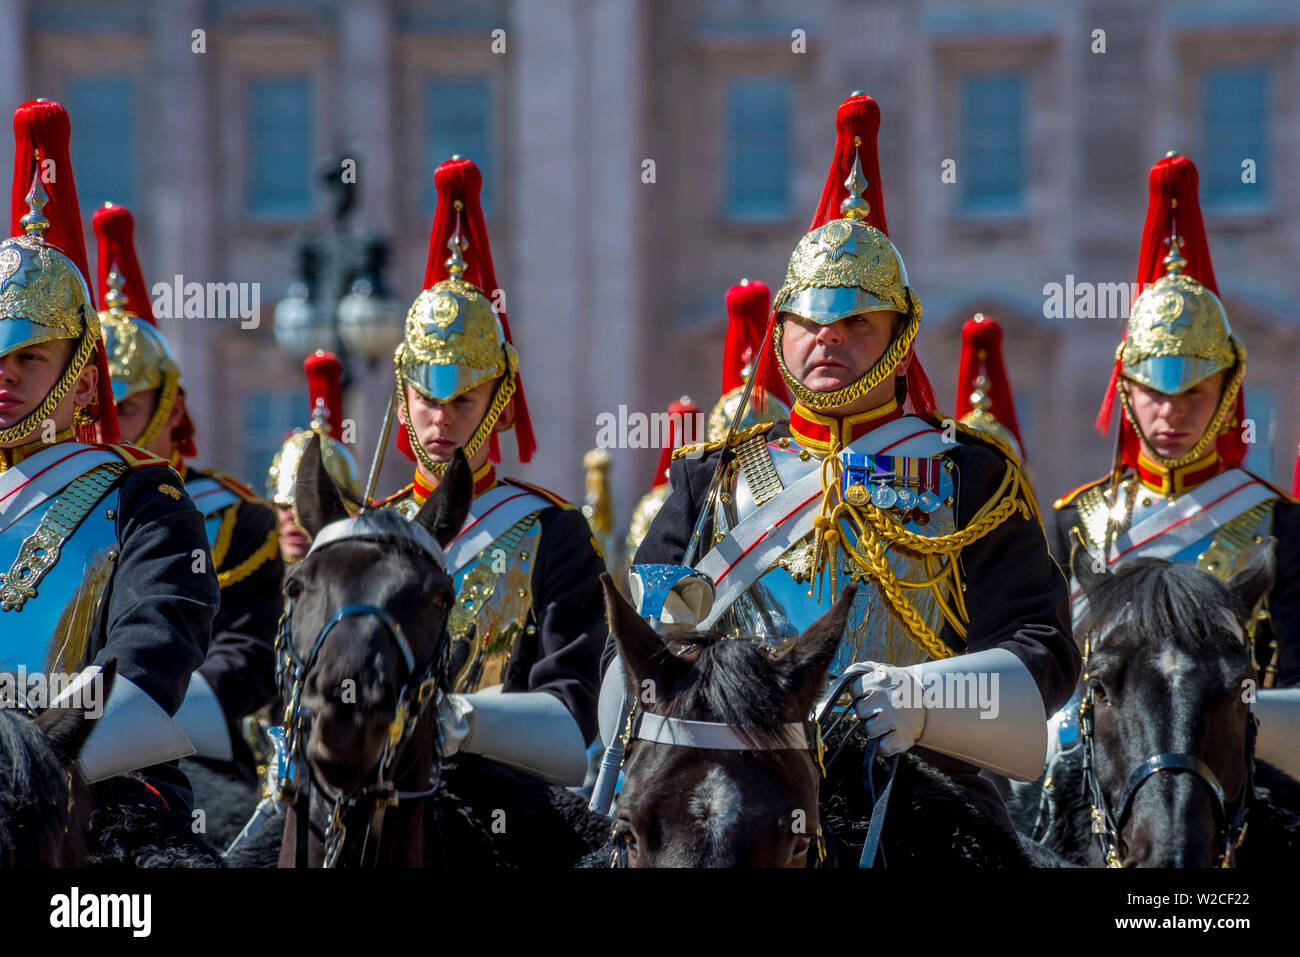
(291, 675)
(1108, 827)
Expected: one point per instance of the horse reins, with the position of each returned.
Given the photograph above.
(415, 693)
(1108, 826)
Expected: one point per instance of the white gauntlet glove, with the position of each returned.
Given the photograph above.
(888, 702)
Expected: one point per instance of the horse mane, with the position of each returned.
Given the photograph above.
(1168, 600)
(31, 776)
(735, 682)
(391, 525)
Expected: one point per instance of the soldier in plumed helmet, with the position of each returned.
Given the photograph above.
(238, 675)
(868, 483)
(98, 542)
(1177, 489)
(529, 617)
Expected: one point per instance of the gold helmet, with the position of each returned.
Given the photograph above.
(456, 339)
(44, 293)
(324, 381)
(1178, 332)
(139, 359)
(847, 266)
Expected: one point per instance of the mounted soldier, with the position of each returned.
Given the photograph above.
(238, 675)
(102, 552)
(528, 620)
(765, 527)
(1177, 489)
(325, 393)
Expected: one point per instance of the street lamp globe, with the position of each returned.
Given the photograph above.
(300, 329)
(370, 323)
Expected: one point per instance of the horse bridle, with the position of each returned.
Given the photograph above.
(415, 693)
(796, 735)
(1108, 827)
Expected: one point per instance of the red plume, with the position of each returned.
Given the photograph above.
(1173, 205)
(678, 425)
(749, 304)
(981, 350)
(324, 386)
(461, 179)
(42, 131)
(115, 239)
(858, 118)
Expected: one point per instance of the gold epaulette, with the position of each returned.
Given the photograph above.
(538, 490)
(704, 448)
(399, 494)
(137, 458)
(269, 549)
(1069, 497)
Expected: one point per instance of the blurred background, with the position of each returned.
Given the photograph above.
(615, 286)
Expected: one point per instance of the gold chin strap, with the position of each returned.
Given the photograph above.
(875, 533)
(1218, 425)
(85, 349)
(166, 402)
(501, 396)
(878, 373)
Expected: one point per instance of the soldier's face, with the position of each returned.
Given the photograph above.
(294, 542)
(829, 357)
(29, 373)
(442, 426)
(1172, 424)
(134, 412)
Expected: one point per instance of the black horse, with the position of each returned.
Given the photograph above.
(1165, 762)
(760, 802)
(366, 628)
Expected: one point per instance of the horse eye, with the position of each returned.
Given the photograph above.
(1098, 691)
(293, 588)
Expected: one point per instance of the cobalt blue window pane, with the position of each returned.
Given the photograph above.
(102, 111)
(281, 176)
(992, 142)
(758, 145)
(456, 115)
(269, 417)
(1235, 105)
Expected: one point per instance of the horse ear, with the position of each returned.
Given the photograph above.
(642, 649)
(316, 500)
(1250, 584)
(443, 513)
(1088, 570)
(67, 728)
(809, 657)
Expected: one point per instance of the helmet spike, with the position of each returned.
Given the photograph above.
(1175, 261)
(35, 223)
(115, 299)
(455, 263)
(855, 206)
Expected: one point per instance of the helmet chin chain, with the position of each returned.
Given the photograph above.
(501, 397)
(1216, 427)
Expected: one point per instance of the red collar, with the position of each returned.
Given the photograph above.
(485, 478)
(1176, 481)
(820, 433)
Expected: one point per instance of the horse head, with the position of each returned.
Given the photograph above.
(1166, 716)
(369, 612)
(45, 806)
(740, 788)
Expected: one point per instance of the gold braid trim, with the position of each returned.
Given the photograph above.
(703, 448)
(85, 348)
(270, 549)
(876, 532)
(225, 532)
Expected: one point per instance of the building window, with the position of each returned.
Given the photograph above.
(992, 142)
(1261, 410)
(758, 150)
(1235, 112)
(102, 111)
(280, 177)
(456, 113)
(269, 417)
